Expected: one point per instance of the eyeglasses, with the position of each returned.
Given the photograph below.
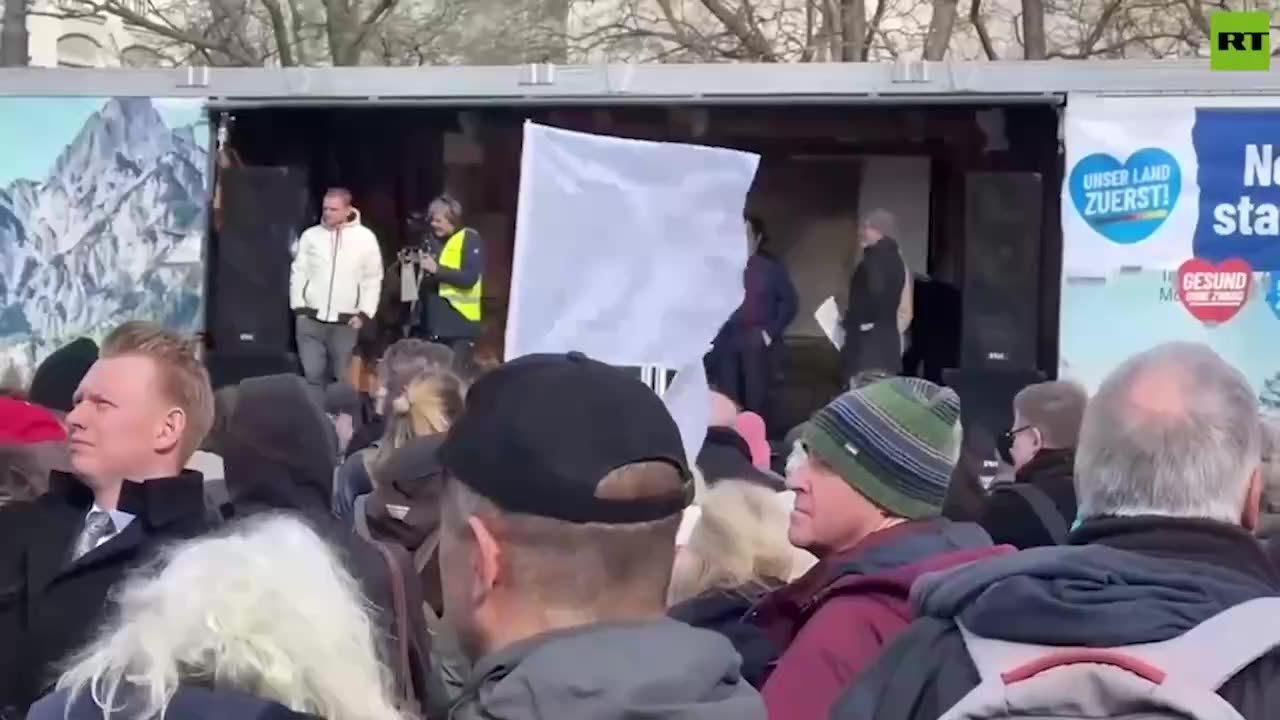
(1009, 435)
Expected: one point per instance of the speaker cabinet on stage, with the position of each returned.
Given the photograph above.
(1001, 293)
(263, 212)
(241, 362)
(986, 411)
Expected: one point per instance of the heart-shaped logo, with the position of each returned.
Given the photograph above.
(1213, 294)
(1126, 203)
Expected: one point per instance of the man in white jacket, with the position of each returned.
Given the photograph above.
(334, 287)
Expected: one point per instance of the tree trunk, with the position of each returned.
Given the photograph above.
(853, 27)
(14, 39)
(1033, 40)
(941, 26)
(280, 31)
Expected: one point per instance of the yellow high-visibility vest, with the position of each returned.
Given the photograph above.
(465, 300)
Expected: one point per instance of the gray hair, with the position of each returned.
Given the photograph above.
(278, 615)
(449, 205)
(1174, 431)
(884, 221)
(1055, 409)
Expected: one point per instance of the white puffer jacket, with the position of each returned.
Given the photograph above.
(337, 272)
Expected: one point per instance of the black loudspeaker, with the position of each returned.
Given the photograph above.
(1001, 293)
(263, 212)
(230, 366)
(986, 411)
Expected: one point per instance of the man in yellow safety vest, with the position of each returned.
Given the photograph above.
(452, 289)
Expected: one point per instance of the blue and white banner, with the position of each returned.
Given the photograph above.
(1171, 231)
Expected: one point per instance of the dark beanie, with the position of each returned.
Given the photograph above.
(55, 381)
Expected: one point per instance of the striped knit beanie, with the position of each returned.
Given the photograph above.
(894, 441)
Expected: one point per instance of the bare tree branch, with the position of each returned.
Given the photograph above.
(750, 36)
(980, 25)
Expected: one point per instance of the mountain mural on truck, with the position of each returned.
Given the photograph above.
(102, 219)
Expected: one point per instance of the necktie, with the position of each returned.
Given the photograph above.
(96, 527)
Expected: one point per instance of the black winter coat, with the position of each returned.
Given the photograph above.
(1009, 519)
(871, 337)
(50, 606)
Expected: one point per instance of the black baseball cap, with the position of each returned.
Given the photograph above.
(539, 433)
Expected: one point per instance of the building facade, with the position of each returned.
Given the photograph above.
(96, 41)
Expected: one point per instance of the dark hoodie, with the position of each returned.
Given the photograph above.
(188, 703)
(836, 618)
(279, 451)
(644, 670)
(1126, 581)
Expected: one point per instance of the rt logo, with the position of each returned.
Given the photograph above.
(1240, 41)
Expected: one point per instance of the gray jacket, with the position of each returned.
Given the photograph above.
(644, 670)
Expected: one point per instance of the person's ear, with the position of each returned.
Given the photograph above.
(170, 430)
(1037, 439)
(1250, 516)
(486, 561)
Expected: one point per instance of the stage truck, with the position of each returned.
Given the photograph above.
(1053, 213)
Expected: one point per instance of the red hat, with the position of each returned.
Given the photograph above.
(22, 423)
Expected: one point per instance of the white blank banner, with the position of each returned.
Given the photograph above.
(629, 251)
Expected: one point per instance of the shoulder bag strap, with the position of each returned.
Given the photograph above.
(1044, 508)
(402, 628)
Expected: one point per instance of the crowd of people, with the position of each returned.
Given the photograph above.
(533, 541)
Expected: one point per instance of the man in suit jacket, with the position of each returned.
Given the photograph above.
(138, 415)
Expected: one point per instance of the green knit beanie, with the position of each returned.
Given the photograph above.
(895, 441)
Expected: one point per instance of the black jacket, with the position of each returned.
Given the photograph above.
(871, 337)
(1009, 519)
(1135, 580)
(725, 612)
(50, 606)
(436, 316)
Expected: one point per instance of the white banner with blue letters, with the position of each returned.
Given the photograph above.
(1171, 231)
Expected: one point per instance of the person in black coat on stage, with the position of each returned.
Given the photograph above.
(744, 356)
(138, 415)
(872, 335)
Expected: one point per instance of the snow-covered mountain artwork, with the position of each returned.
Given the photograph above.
(103, 206)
